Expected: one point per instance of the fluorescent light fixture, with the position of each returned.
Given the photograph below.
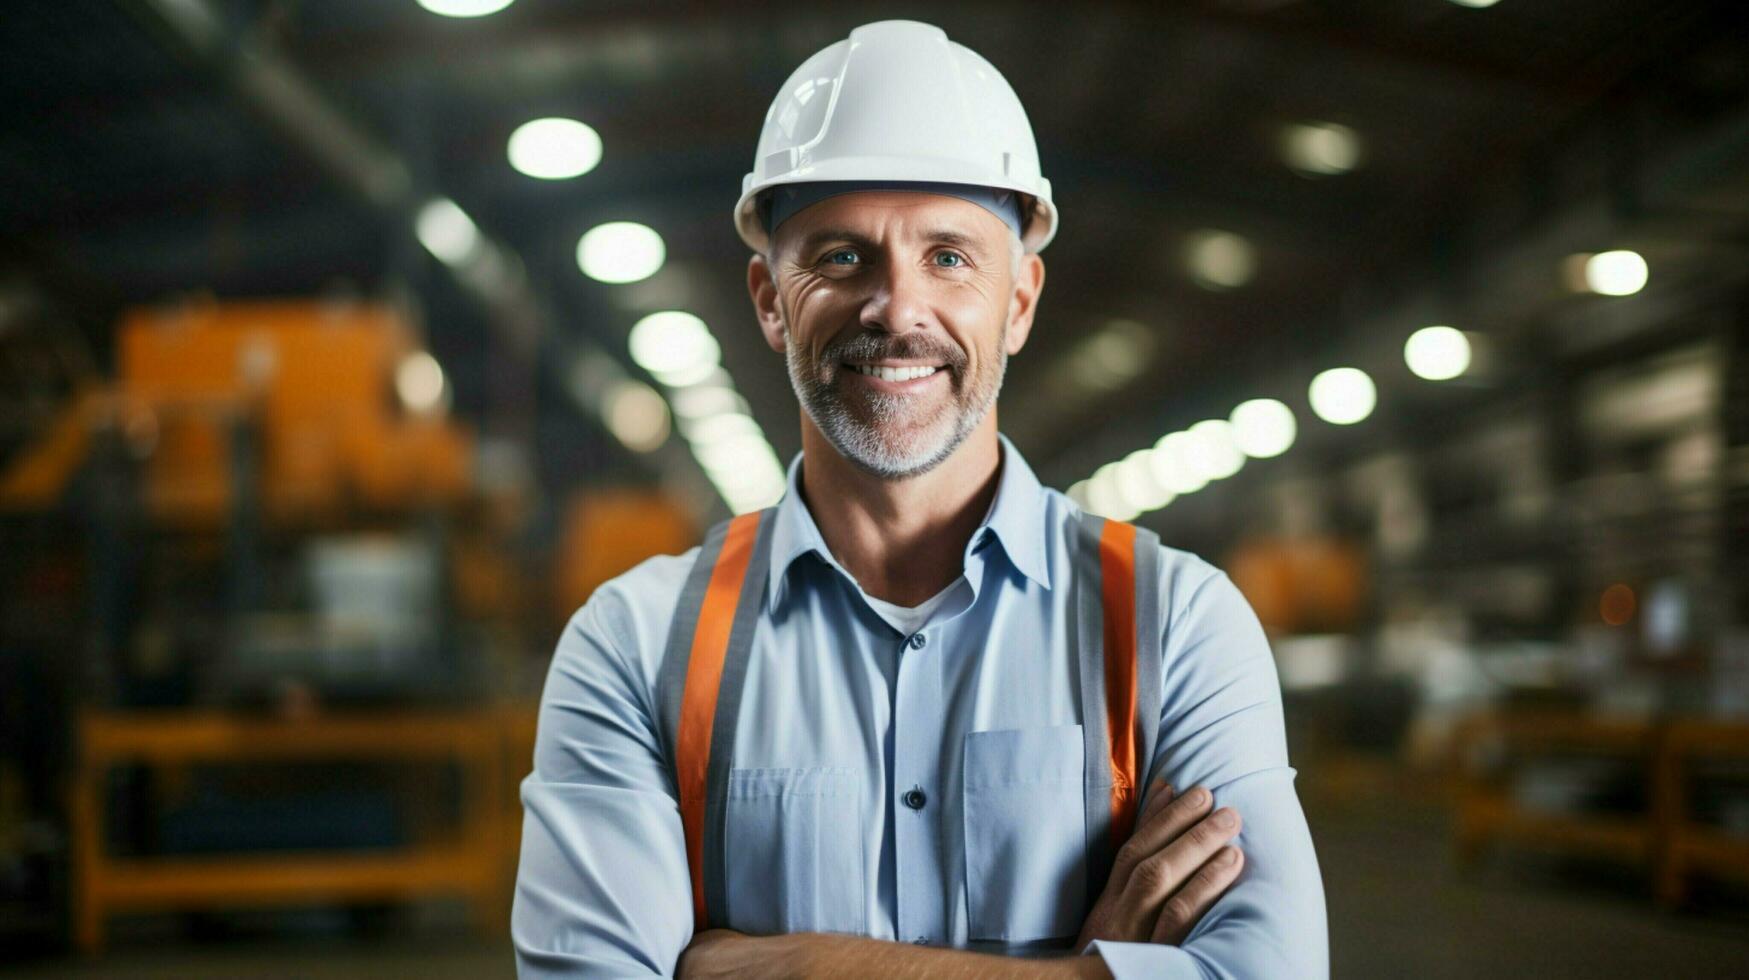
(701, 400)
(620, 251)
(1321, 149)
(1342, 396)
(465, 8)
(1617, 273)
(419, 383)
(724, 429)
(675, 346)
(1220, 260)
(554, 148)
(1108, 359)
(1136, 483)
(1211, 450)
(636, 415)
(446, 231)
(1437, 353)
(1263, 428)
(1172, 467)
(1103, 497)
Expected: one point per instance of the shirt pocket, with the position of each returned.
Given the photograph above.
(1025, 834)
(793, 844)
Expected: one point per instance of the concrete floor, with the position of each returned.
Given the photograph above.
(1398, 908)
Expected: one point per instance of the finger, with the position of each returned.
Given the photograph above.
(1155, 832)
(1159, 794)
(1185, 909)
(1166, 871)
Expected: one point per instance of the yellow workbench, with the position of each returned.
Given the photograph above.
(471, 863)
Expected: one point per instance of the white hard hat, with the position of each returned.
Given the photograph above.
(898, 101)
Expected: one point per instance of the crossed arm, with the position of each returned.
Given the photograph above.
(1174, 867)
(603, 857)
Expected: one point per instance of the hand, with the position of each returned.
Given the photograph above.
(1173, 867)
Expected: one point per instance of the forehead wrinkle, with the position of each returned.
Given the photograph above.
(934, 236)
(936, 218)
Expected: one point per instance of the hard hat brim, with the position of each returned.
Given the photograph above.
(1040, 213)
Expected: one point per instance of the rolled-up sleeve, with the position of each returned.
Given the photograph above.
(602, 886)
(1221, 727)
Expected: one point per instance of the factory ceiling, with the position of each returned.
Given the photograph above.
(135, 167)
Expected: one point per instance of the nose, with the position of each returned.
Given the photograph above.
(899, 303)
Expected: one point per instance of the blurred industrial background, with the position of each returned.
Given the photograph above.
(346, 346)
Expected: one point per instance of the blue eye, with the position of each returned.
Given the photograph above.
(958, 260)
(833, 257)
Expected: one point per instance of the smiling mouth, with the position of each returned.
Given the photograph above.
(906, 372)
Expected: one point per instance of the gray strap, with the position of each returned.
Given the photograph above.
(1148, 658)
(1086, 577)
(735, 659)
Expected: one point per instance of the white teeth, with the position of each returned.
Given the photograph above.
(896, 374)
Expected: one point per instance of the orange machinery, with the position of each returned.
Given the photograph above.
(317, 378)
(1309, 585)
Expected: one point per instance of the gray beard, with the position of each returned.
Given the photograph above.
(886, 438)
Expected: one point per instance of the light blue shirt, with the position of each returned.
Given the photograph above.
(843, 715)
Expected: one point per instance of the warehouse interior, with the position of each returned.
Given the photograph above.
(346, 348)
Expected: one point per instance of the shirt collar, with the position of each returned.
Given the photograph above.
(1016, 519)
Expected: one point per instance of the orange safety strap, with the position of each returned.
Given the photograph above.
(1117, 563)
(698, 706)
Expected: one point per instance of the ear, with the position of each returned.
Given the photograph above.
(1023, 303)
(762, 288)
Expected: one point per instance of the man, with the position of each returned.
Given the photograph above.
(891, 726)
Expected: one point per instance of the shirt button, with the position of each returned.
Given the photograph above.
(919, 641)
(915, 798)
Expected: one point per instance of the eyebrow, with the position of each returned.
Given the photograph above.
(935, 236)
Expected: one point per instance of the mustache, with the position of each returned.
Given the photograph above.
(876, 346)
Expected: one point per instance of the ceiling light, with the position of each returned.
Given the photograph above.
(1211, 451)
(1437, 353)
(1136, 483)
(1321, 149)
(1171, 465)
(674, 345)
(419, 383)
(722, 430)
(446, 231)
(1343, 396)
(636, 415)
(698, 373)
(554, 149)
(1263, 427)
(465, 8)
(1617, 273)
(700, 400)
(1111, 357)
(620, 251)
(1103, 497)
(750, 463)
(1220, 259)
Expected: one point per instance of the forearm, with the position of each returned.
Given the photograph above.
(721, 954)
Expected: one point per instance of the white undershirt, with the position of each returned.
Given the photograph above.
(909, 619)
